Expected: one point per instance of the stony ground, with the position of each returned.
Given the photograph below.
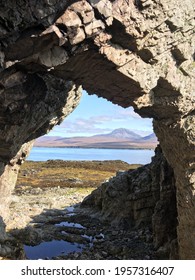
(46, 209)
(56, 185)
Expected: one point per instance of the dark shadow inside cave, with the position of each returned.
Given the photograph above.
(55, 234)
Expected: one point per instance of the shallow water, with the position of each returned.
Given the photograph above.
(51, 249)
(89, 237)
(70, 211)
(68, 224)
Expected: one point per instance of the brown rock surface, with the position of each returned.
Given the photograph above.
(143, 197)
(133, 53)
(32, 105)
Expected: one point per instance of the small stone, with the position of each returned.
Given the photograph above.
(100, 236)
(97, 256)
(104, 254)
(76, 255)
(147, 257)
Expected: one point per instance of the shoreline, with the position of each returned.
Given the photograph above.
(131, 156)
(98, 148)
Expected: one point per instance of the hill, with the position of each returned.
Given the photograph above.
(120, 138)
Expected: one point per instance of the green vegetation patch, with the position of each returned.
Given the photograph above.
(69, 174)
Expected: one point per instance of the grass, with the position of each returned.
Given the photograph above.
(68, 174)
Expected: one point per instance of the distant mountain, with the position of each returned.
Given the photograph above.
(150, 137)
(120, 138)
(121, 133)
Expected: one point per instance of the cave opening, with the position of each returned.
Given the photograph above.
(98, 124)
(51, 190)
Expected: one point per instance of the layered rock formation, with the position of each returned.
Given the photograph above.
(31, 105)
(133, 53)
(142, 197)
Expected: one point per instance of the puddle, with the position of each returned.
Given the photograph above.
(51, 249)
(90, 238)
(68, 224)
(64, 232)
(70, 210)
(71, 214)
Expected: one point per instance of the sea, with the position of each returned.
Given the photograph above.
(131, 156)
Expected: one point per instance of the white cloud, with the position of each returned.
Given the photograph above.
(104, 123)
(86, 126)
(124, 113)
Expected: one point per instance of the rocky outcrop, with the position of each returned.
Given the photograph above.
(133, 53)
(143, 197)
(31, 105)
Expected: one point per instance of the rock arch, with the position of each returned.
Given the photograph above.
(133, 53)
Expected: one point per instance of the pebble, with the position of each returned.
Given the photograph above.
(104, 254)
(98, 256)
(100, 236)
(76, 255)
(147, 257)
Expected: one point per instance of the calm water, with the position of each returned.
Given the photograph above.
(51, 249)
(68, 224)
(130, 156)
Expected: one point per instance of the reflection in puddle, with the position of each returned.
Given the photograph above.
(68, 224)
(70, 214)
(51, 249)
(70, 210)
(90, 238)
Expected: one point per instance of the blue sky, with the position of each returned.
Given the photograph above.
(97, 116)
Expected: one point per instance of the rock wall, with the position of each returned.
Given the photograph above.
(133, 53)
(143, 197)
(31, 105)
